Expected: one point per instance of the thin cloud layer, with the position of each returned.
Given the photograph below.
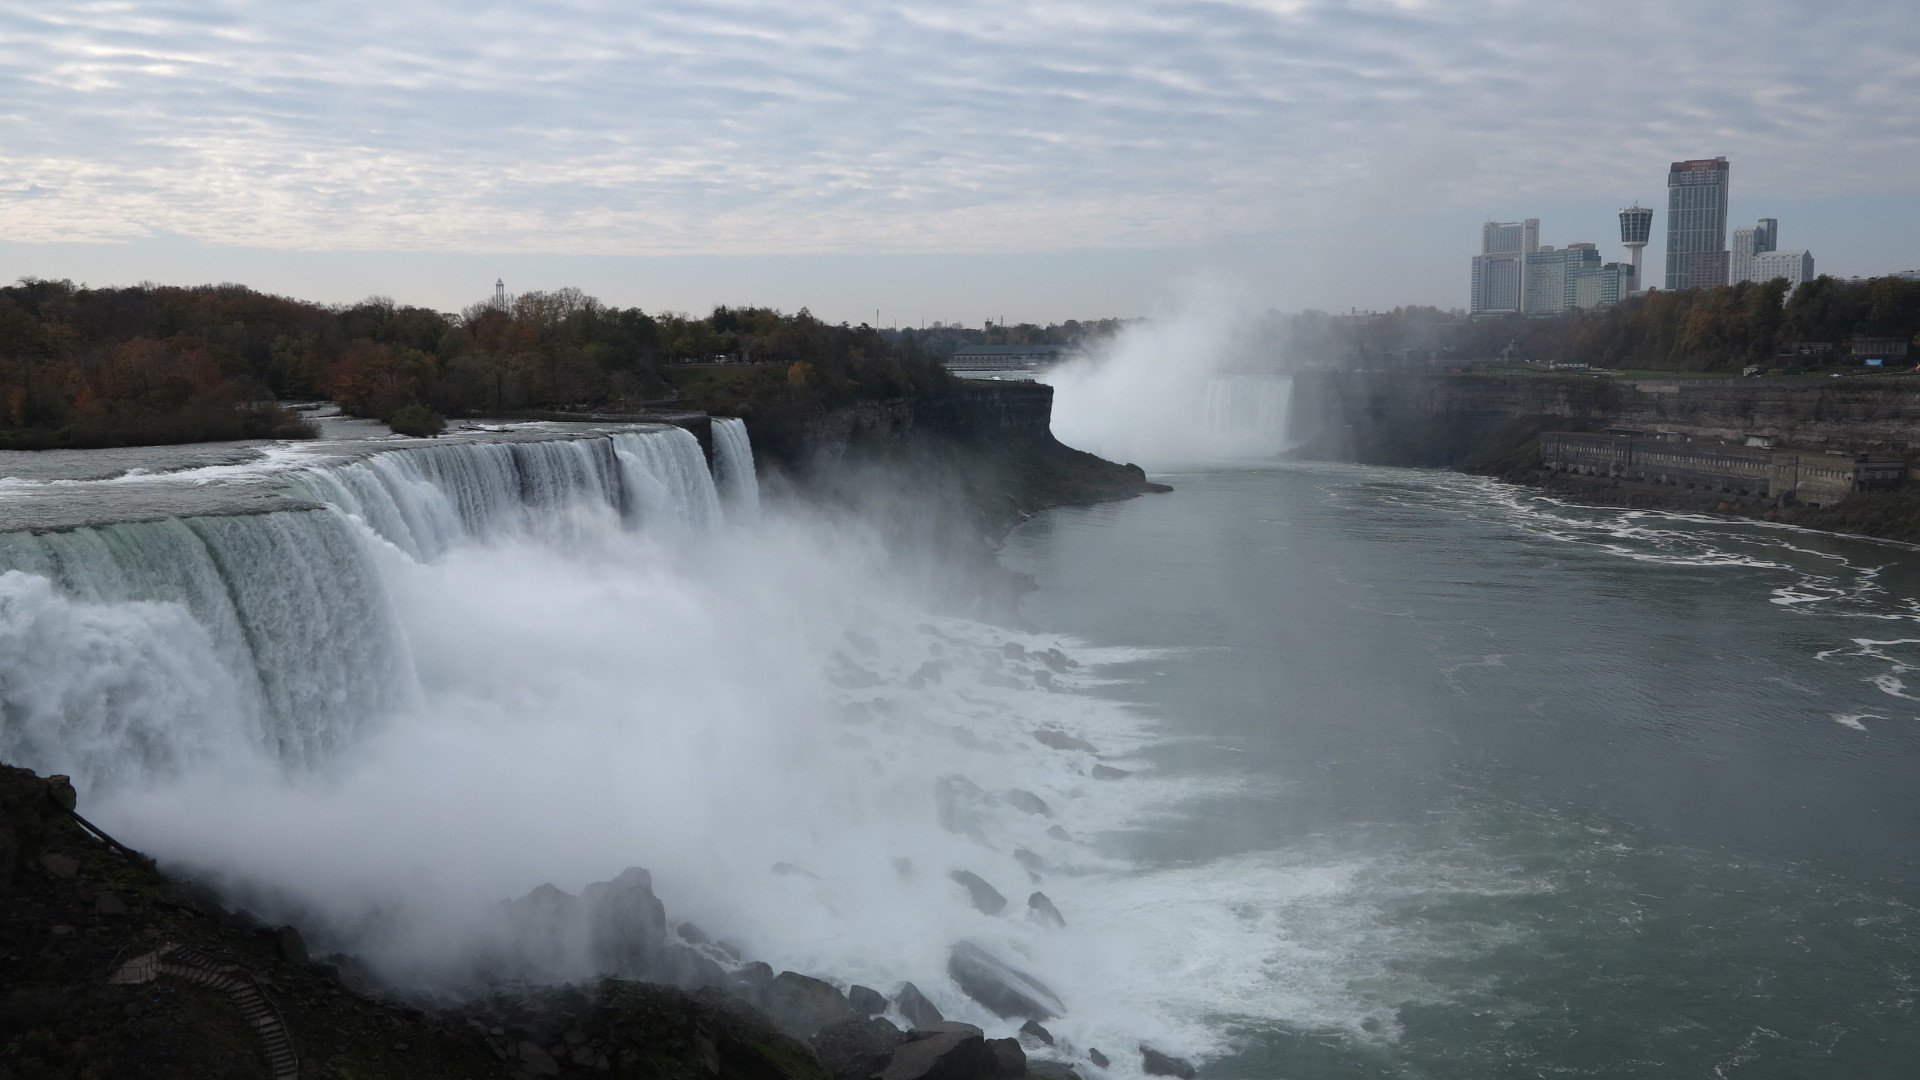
(807, 126)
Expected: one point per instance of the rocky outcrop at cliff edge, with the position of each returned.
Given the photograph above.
(76, 910)
(990, 443)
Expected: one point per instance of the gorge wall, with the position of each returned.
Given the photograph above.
(1444, 419)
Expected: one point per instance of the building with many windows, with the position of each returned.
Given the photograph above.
(1500, 270)
(1748, 241)
(1697, 223)
(1552, 276)
(1598, 286)
(1795, 266)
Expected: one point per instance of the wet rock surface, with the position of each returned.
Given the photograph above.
(1001, 987)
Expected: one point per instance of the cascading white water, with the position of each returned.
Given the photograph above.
(733, 470)
(1196, 384)
(492, 665)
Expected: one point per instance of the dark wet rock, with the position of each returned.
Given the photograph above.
(1058, 832)
(64, 867)
(866, 1001)
(109, 905)
(1060, 740)
(692, 934)
(729, 950)
(1094, 1055)
(984, 896)
(931, 671)
(1028, 859)
(750, 982)
(903, 867)
(1022, 799)
(787, 869)
(800, 1005)
(917, 1010)
(1043, 678)
(1108, 772)
(538, 1060)
(292, 945)
(1001, 987)
(960, 805)
(626, 925)
(946, 1051)
(1006, 1058)
(1057, 660)
(1041, 910)
(1052, 1070)
(856, 1049)
(1155, 1063)
(1004, 682)
(1032, 1030)
(1013, 650)
(862, 644)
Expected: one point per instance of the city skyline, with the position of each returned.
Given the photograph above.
(934, 161)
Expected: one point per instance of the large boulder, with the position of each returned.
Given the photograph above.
(1155, 1063)
(1060, 740)
(856, 1049)
(1006, 1059)
(1000, 986)
(916, 1009)
(1052, 1070)
(1022, 799)
(961, 806)
(866, 1000)
(626, 924)
(801, 1006)
(984, 896)
(947, 1051)
(1041, 910)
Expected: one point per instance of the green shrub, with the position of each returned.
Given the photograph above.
(417, 420)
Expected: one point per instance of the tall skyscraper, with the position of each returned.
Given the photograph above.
(1500, 270)
(1636, 228)
(1748, 241)
(1697, 223)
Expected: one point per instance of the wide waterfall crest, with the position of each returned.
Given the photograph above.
(144, 647)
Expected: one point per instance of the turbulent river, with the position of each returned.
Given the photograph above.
(1471, 783)
(1330, 771)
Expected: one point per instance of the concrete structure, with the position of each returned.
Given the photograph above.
(1552, 276)
(1697, 223)
(1812, 477)
(1636, 228)
(1748, 241)
(1599, 286)
(1500, 271)
(1881, 348)
(1795, 266)
(995, 357)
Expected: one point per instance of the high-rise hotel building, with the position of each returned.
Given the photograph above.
(1500, 270)
(1697, 223)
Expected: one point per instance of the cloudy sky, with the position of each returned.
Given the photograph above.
(959, 160)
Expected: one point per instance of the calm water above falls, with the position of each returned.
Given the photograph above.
(1500, 787)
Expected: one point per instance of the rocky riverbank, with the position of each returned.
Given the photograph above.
(1490, 426)
(110, 968)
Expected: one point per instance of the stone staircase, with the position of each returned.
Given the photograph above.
(193, 966)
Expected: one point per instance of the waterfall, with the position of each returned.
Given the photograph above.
(733, 466)
(144, 647)
(138, 647)
(1249, 407)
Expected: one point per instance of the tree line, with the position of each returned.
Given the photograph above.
(1724, 328)
(158, 364)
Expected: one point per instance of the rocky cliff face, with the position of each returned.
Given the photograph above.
(1336, 410)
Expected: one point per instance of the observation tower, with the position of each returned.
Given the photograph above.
(1636, 225)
